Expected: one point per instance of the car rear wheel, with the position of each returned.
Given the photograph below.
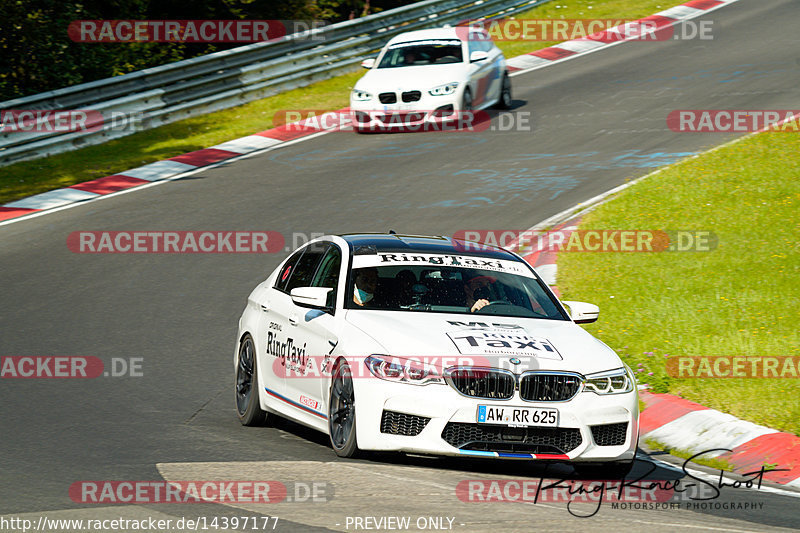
(505, 94)
(248, 407)
(342, 412)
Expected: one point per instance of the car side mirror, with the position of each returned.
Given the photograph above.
(368, 63)
(314, 297)
(582, 313)
(478, 55)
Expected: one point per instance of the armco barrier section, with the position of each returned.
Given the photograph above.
(233, 77)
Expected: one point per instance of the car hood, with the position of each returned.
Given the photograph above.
(485, 340)
(419, 78)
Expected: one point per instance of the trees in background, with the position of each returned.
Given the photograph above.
(36, 54)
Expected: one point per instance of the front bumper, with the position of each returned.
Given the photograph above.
(429, 111)
(452, 417)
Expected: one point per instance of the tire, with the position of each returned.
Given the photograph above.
(342, 412)
(604, 471)
(466, 100)
(506, 100)
(246, 388)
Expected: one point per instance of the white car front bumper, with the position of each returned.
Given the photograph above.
(453, 417)
(430, 110)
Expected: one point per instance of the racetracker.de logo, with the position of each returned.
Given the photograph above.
(67, 120)
(191, 31)
(544, 491)
(571, 240)
(391, 120)
(292, 362)
(148, 492)
(67, 367)
(734, 120)
(654, 28)
(175, 242)
(733, 367)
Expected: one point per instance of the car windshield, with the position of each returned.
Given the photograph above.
(449, 284)
(433, 52)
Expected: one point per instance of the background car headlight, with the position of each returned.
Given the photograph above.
(443, 90)
(361, 96)
(402, 370)
(616, 381)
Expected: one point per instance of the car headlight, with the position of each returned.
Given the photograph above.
(402, 370)
(615, 381)
(361, 96)
(442, 90)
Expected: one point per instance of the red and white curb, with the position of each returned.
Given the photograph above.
(617, 35)
(689, 426)
(175, 167)
(158, 171)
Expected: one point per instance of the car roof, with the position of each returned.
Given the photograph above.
(390, 242)
(422, 35)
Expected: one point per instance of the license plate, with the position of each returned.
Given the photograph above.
(507, 415)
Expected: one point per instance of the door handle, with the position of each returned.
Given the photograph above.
(265, 307)
(293, 320)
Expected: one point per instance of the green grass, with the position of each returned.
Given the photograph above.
(741, 299)
(718, 464)
(40, 175)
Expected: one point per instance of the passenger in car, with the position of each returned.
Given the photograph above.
(405, 281)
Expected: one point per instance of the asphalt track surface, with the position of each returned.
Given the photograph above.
(598, 120)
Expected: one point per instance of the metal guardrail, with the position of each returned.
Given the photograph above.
(221, 80)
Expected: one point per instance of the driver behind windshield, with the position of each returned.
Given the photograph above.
(366, 282)
(477, 291)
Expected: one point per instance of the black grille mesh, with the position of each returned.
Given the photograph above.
(387, 98)
(396, 423)
(548, 387)
(500, 438)
(483, 383)
(610, 434)
(412, 96)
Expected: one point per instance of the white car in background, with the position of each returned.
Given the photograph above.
(430, 75)
(379, 341)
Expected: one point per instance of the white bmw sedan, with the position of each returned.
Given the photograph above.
(425, 345)
(427, 76)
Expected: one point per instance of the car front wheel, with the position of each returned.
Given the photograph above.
(248, 407)
(505, 94)
(342, 412)
(466, 100)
